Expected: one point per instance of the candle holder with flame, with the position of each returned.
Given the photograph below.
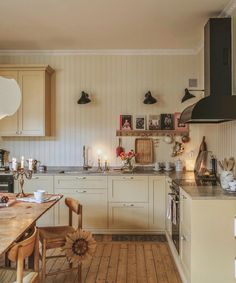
(20, 174)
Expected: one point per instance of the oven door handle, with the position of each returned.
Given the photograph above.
(4, 185)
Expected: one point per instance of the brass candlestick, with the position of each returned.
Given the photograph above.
(19, 174)
(99, 165)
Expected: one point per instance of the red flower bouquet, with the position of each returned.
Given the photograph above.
(127, 159)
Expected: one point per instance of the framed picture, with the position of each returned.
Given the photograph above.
(179, 126)
(140, 122)
(125, 122)
(154, 122)
(167, 122)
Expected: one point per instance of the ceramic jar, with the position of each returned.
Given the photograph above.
(225, 178)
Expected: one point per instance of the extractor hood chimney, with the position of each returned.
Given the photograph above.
(218, 105)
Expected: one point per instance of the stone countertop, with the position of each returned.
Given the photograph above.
(208, 193)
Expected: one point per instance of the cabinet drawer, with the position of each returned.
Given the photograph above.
(128, 189)
(128, 215)
(66, 182)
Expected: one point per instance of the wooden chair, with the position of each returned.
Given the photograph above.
(55, 237)
(19, 252)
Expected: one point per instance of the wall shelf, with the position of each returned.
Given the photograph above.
(149, 133)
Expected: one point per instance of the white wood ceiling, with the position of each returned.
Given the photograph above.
(104, 24)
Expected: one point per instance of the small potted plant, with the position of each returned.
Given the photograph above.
(127, 160)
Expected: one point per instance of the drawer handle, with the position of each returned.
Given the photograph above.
(81, 192)
(128, 178)
(35, 177)
(126, 204)
(80, 178)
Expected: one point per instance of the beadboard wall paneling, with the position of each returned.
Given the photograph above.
(116, 84)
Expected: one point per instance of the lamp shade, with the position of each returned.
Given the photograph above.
(149, 99)
(187, 95)
(84, 99)
(10, 97)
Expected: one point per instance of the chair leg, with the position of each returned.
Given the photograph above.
(44, 251)
(80, 272)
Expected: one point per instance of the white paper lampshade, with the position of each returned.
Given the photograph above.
(10, 97)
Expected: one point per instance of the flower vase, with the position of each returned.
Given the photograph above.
(127, 166)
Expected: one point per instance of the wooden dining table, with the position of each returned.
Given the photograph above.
(18, 218)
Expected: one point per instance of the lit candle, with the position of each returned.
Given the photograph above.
(30, 164)
(99, 152)
(22, 162)
(14, 164)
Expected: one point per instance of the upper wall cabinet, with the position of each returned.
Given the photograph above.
(33, 118)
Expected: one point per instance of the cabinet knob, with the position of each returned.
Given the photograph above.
(184, 197)
(35, 177)
(183, 238)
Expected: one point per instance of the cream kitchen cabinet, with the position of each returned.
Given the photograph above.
(157, 203)
(40, 183)
(33, 118)
(91, 191)
(207, 240)
(128, 202)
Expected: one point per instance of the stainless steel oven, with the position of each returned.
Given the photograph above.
(6, 183)
(175, 213)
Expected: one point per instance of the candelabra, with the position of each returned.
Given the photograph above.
(20, 174)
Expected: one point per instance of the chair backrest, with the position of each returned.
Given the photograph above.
(19, 251)
(76, 207)
(23, 248)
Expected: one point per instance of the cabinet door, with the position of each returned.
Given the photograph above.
(185, 250)
(94, 202)
(157, 203)
(128, 189)
(185, 210)
(132, 216)
(32, 110)
(9, 125)
(40, 183)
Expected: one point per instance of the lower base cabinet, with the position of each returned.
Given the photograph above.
(94, 202)
(40, 183)
(131, 216)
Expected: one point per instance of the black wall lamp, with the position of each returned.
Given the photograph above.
(189, 95)
(149, 99)
(84, 99)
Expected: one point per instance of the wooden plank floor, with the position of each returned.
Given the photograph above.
(117, 262)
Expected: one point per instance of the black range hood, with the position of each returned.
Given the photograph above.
(218, 105)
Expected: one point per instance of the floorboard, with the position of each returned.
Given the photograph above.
(115, 262)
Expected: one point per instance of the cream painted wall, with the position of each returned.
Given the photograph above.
(117, 84)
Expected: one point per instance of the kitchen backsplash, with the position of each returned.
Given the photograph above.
(116, 85)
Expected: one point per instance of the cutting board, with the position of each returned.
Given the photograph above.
(144, 151)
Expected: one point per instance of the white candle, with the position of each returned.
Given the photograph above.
(14, 164)
(99, 153)
(22, 162)
(30, 164)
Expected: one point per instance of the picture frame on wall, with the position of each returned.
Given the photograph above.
(126, 122)
(179, 126)
(154, 122)
(140, 122)
(167, 121)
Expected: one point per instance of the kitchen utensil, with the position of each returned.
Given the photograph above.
(144, 151)
(119, 148)
(178, 165)
(168, 139)
(201, 160)
(185, 138)
(42, 168)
